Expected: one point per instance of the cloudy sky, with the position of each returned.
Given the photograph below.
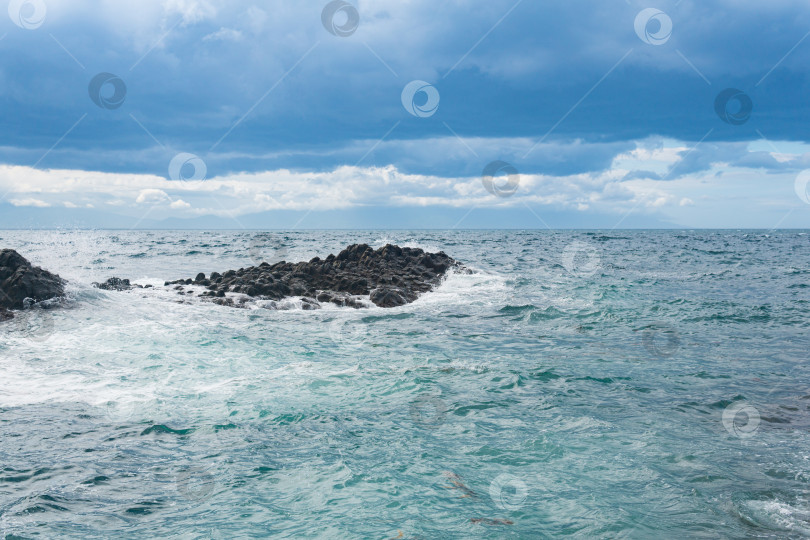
(395, 113)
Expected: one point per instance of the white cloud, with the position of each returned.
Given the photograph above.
(609, 191)
(179, 204)
(152, 196)
(342, 188)
(29, 202)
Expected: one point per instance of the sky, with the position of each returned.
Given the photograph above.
(290, 114)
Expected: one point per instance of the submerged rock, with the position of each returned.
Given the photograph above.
(22, 284)
(390, 276)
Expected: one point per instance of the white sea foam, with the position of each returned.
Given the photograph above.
(781, 515)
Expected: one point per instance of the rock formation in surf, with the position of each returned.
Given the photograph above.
(22, 284)
(390, 276)
(115, 284)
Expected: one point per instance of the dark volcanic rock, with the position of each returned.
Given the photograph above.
(391, 276)
(22, 284)
(391, 297)
(339, 299)
(114, 284)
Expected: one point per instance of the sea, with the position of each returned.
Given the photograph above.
(573, 384)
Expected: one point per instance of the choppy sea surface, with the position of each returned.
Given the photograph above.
(624, 384)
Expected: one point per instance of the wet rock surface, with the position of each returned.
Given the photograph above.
(22, 284)
(390, 276)
(115, 284)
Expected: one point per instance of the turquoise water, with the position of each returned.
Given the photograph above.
(625, 384)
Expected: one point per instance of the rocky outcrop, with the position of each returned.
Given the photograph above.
(22, 284)
(114, 284)
(390, 276)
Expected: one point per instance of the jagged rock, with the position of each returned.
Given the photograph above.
(22, 284)
(391, 297)
(391, 276)
(115, 284)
